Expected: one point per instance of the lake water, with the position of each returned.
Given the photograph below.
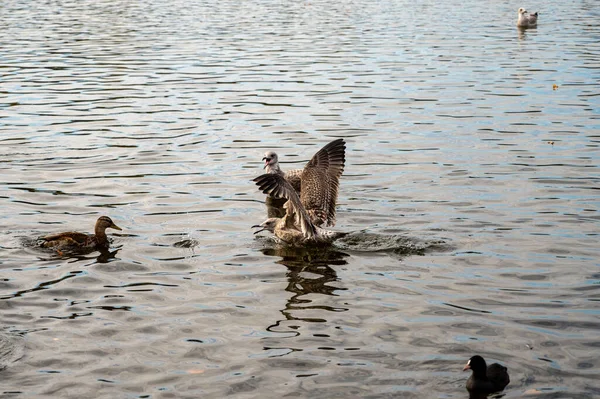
(470, 188)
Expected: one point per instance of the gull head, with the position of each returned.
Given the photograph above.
(270, 159)
(268, 224)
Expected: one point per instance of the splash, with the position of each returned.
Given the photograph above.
(396, 244)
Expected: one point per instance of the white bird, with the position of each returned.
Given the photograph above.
(526, 20)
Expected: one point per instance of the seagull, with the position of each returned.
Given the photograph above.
(315, 206)
(272, 166)
(525, 20)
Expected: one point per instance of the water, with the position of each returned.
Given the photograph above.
(471, 189)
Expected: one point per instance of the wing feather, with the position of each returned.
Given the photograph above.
(277, 186)
(320, 181)
(73, 235)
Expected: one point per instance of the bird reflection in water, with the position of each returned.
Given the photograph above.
(309, 271)
(105, 255)
(476, 395)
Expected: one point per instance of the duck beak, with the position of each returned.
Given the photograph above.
(114, 226)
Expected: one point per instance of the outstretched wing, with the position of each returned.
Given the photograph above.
(294, 176)
(277, 186)
(320, 182)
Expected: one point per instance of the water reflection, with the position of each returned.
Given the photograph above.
(107, 255)
(486, 396)
(522, 32)
(309, 271)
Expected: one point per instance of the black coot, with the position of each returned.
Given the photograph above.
(485, 379)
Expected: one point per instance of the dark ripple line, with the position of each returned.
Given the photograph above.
(144, 175)
(463, 116)
(465, 308)
(543, 165)
(28, 203)
(183, 212)
(42, 286)
(239, 103)
(111, 308)
(140, 284)
(58, 192)
(73, 316)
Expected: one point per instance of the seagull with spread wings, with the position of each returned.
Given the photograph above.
(315, 205)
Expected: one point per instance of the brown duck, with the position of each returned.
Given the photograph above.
(74, 241)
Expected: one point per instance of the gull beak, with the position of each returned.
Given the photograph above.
(258, 226)
(267, 160)
(467, 366)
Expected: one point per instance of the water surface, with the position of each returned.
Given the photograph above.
(471, 189)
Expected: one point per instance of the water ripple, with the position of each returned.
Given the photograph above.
(469, 192)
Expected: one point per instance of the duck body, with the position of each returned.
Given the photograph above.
(72, 239)
(526, 20)
(485, 379)
(75, 241)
